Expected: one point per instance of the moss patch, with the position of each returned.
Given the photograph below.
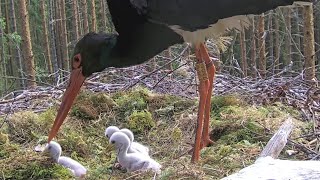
(165, 123)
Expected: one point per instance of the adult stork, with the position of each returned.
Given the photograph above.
(146, 28)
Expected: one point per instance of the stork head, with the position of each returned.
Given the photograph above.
(91, 54)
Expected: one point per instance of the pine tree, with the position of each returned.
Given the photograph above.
(26, 45)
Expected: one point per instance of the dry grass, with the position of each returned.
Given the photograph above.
(164, 123)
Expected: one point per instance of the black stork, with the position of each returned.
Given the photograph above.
(146, 28)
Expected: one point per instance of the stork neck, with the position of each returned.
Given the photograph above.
(125, 53)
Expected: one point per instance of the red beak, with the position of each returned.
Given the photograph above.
(75, 83)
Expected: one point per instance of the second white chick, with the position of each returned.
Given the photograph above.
(132, 161)
(134, 146)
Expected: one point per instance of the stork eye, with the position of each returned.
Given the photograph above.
(112, 142)
(76, 59)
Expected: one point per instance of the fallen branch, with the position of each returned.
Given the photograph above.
(278, 140)
(267, 167)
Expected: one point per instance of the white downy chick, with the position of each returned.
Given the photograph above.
(110, 130)
(134, 146)
(54, 149)
(132, 161)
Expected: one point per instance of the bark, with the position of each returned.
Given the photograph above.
(297, 58)
(2, 56)
(270, 39)
(243, 50)
(253, 50)
(9, 50)
(278, 140)
(75, 19)
(64, 37)
(103, 15)
(277, 45)
(26, 45)
(80, 19)
(46, 36)
(58, 33)
(317, 32)
(262, 47)
(85, 16)
(17, 60)
(93, 16)
(53, 42)
(287, 57)
(309, 47)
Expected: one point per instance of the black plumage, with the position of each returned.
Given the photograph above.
(144, 25)
(147, 27)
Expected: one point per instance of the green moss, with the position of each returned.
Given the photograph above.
(133, 101)
(164, 123)
(36, 170)
(183, 104)
(4, 138)
(47, 117)
(176, 134)
(218, 102)
(140, 121)
(89, 105)
(23, 127)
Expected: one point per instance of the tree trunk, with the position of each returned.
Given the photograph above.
(262, 47)
(93, 16)
(297, 58)
(58, 33)
(243, 50)
(2, 56)
(270, 39)
(317, 33)
(53, 41)
(45, 36)
(26, 45)
(253, 63)
(17, 60)
(287, 57)
(85, 16)
(103, 15)
(64, 37)
(9, 61)
(277, 45)
(75, 19)
(309, 48)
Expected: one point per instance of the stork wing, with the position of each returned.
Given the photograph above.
(192, 15)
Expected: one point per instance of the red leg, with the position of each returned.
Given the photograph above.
(203, 91)
(206, 141)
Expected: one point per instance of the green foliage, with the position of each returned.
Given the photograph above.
(15, 37)
(2, 23)
(141, 121)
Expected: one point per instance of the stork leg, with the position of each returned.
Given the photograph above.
(205, 140)
(203, 91)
